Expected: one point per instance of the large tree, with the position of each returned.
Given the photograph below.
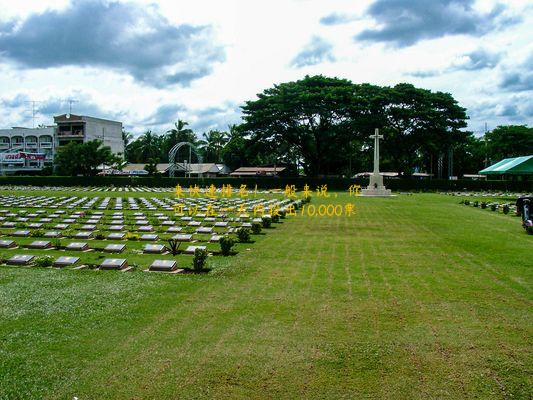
(83, 158)
(308, 121)
(324, 124)
(509, 141)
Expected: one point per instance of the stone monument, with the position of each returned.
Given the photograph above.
(375, 187)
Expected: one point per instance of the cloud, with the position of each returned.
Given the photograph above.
(215, 118)
(477, 60)
(121, 36)
(201, 120)
(315, 52)
(519, 78)
(474, 61)
(165, 114)
(337, 19)
(403, 23)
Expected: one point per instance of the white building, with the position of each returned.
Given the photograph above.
(82, 129)
(31, 149)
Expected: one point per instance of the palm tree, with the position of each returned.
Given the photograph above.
(149, 145)
(212, 145)
(180, 133)
(126, 137)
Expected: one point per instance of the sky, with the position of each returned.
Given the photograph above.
(149, 63)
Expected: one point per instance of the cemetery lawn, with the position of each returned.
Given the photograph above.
(414, 297)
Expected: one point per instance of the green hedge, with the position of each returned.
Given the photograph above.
(267, 183)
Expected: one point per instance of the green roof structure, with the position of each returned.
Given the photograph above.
(511, 166)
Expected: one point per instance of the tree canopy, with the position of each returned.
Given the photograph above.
(84, 158)
(324, 123)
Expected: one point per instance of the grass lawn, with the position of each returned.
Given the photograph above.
(414, 297)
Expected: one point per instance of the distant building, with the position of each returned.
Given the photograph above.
(32, 149)
(258, 171)
(207, 170)
(80, 128)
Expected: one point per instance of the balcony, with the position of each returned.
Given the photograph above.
(4, 145)
(31, 145)
(67, 134)
(46, 145)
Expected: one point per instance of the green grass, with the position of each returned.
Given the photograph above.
(414, 297)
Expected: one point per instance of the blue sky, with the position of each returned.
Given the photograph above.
(149, 63)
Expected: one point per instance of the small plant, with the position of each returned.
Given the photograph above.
(44, 261)
(476, 203)
(200, 259)
(275, 217)
(243, 234)
(226, 244)
(267, 221)
(99, 236)
(493, 207)
(37, 233)
(256, 228)
(57, 243)
(282, 213)
(132, 236)
(483, 205)
(173, 246)
(506, 209)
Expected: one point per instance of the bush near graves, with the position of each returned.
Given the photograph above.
(267, 221)
(200, 259)
(243, 234)
(44, 261)
(37, 233)
(173, 246)
(226, 244)
(256, 228)
(506, 209)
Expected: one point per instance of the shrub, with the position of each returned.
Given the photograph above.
(282, 213)
(99, 236)
(200, 259)
(243, 234)
(256, 228)
(173, 246)
(226, 244)
(44, 261)
(57, 243)
(267, 221)
(483, 205)
(467, 202)
(506, 209)
(275, 218)
(476, 203)
(37, 233)
(493, 207)
(132, 236)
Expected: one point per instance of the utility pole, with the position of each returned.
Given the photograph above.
(70, 102)
(33, 110)
(486, 148)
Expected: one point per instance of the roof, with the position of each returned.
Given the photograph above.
(252, 171)
(139, 167)
(194, 168)
(80, 118)
(512, 166)
(367, 174)
(203, 168)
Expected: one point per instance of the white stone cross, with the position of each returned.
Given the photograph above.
(376, 136)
